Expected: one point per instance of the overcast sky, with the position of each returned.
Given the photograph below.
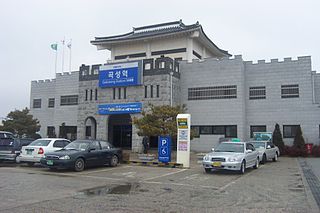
(256, 29)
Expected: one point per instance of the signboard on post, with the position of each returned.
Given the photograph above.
(164, 149)
(122, 74)
(183, 139)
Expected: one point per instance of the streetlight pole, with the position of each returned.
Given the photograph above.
(171, 91)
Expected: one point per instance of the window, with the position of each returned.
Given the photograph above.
(95, 145)
(229, 131)
(217, 92)
(88, 131)
(196, 130)
(145, 91)
(270, 144)
(96, 94)
(162, 65)
(59, 144)
(125, 93)
(69, 100)
(96, 71)
(158, 91)
(114, 93)
(290, 91)
(258, 128)
(105, 145)
(151, 91)
(147, 66)
(91, 95)
(36, 103)
(51, 103)
(289, 131)
(86, 95)
(119, 93)
(51, 132)
(206, 130)
(257, 93)
(250, 147)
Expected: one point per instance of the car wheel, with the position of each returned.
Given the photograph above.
(275, 159)
(114, 161)
(264, 159)
(256, 166)
(207, 170)
(243, 167)
(79, 165)
(30, 163)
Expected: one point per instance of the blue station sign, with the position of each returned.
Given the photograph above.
(125, 108)
(164, 149)
(122, 74)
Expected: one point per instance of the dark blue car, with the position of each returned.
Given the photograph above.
(81, 154)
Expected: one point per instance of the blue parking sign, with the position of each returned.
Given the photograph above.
(164, 149)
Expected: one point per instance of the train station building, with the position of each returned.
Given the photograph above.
(173, 63)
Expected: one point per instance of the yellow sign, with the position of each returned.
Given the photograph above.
(182, 123)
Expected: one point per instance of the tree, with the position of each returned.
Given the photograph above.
(277, 138)
(21, 123)
(298, 141)
(159, 120)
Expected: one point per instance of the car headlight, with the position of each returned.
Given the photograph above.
(206, 158)
(233, 159)
(66, 157)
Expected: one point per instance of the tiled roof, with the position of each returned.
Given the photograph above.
(148, 31)
(155, 30)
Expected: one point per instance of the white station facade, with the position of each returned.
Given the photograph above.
(170, 64)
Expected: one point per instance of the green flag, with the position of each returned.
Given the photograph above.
(54, 46)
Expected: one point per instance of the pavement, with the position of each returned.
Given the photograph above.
(309, 167)
(311, 170)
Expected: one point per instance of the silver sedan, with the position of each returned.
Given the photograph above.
(236, 156)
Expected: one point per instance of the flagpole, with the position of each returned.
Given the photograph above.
(70, 46)
(63, 53)
(55, 63)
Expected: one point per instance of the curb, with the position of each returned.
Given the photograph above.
(159, 164)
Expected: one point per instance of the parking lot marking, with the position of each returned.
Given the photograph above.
(104, 170)
(223, 188)
(171, 173)
(179, 184)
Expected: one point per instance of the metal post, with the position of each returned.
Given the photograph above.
(171, 91)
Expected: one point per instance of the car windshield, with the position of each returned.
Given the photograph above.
(258, 144)
(230, 147)
(78, 145)
(40, 142)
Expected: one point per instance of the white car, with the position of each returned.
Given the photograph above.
(35, 151)
(267, 150)
(235, 156)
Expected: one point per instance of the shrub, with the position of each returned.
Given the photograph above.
(294, 151)
(277, 139)
(298, 141)
(315, 151)
(286, 150)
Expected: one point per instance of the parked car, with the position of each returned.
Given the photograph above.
(236, 156)
(267, 150)
(10, 146)
(81, 154)
(35, 151)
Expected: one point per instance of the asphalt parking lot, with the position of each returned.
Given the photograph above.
(274, 187)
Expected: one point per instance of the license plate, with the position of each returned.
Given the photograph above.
(29, 152)
(49, 162)
(216, 164)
